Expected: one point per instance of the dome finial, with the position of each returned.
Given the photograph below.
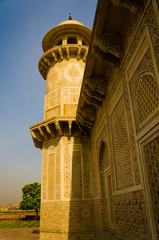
(70, 17)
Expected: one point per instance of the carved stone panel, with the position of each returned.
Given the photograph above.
(44, 174)
(131, 219)
(144, 92)
(51, 176)
(67, 220)
(151, 158)
(121, 147)
(67, 170)
(76, 175)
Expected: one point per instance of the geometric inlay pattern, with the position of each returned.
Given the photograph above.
(86, 168)
(70, 109)
(51, 176)
(97, 214)
(151, 155)
(44, 175)
(144, 92)
(121, 147)
(130, 215)
(67, 171)
(52, 99)
(76, 175)
(67, 216)
(147, 96)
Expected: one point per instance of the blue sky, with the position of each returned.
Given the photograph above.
(23, 24)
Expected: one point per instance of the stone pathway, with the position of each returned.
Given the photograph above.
(19, 234)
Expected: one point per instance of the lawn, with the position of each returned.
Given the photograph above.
(19, 223)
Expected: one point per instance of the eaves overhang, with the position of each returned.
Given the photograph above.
(54, 127)
(106, 52)
(58, 54)
(64, 27)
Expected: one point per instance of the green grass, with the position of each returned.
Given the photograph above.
(18, 223)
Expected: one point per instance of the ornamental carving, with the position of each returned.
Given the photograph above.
(130, 215)
(73, 72)
(131, 5)
(112, 46)
(105, 57)
(91, 101)
(93, 94)
(122, 153)
(151, 158)
(85, 122)
(87, 116)
(147, 96)
(144, 92)
(131, 41)
(97, 85)
(88, 113)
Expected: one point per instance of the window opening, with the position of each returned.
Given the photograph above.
(59, 43)
(71, 40)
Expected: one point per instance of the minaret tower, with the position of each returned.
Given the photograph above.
(66, 205)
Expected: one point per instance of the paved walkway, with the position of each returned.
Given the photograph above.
(19, 234)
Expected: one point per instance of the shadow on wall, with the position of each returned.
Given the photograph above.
(81, 219)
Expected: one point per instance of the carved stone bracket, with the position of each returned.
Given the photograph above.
(50, 130)
(93, 94)
(88, 112)
(97, 85)
(53, 128)
(84, 122)
(83, 128)
(36, 134)
(86, 116)
(91, 100)
(37, 143)
(68, 52)
(78, 53)
(110, 45)
(85, 55)
(59, 53)
(54, 56)
(47, 61)
(69, 127)
(44, 132)
(58, 128)
(106, 57)
(131, 5)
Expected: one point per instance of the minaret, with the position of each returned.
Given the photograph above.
(66, 205)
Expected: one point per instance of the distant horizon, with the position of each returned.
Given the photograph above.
(9, 204)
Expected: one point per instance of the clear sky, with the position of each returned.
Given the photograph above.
(23, 24)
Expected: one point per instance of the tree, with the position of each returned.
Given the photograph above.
(31, 197)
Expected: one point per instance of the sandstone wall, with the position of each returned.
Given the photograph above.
(66, 204)
(63, 85)
(125, 139)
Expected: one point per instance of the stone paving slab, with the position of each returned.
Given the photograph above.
(19, 234)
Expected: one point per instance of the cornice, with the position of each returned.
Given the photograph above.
(58, 53)
(53, 128)
(105, 55)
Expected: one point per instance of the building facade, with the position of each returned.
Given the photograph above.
(100, 135)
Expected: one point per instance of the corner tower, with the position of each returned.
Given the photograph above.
(62, 65)
(66, 205)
